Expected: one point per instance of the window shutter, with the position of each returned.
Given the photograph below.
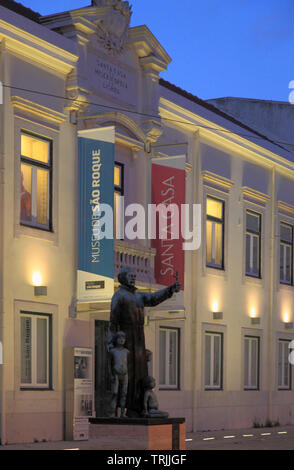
(26, 350)
(42, 340)
(162, 357)
(173, 358)
(246, 368)
(207, 359)
(280, 364)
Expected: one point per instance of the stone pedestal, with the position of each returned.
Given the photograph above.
(139, 433)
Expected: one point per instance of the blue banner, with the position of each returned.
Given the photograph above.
(96, 187)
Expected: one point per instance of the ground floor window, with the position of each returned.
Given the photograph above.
(35, 350)
(284, 366)
(213, 360)
(251, 366)
(169, 357)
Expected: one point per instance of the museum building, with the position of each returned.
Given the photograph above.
(85, 81)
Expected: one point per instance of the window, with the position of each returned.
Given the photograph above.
(284, 366)
(251, 366)
(118, 205)
(214, 233)
(168, 358)
(286, 254)
(35, 193)
(35, 350)
(253, 232)
(213, 360)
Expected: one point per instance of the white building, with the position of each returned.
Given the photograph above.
(220, 349)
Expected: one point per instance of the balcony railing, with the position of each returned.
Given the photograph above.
(141, 260)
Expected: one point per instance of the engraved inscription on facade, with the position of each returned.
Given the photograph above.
(113, 78)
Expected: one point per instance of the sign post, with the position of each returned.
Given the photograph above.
(79, 393)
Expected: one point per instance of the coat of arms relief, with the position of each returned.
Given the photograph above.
(112, 29)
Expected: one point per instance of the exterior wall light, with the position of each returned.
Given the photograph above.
(215, 313)
(38, 288)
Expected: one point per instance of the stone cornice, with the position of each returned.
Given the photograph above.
(146, 45)
(285, 207)
(252, 195)
(36, 49)
(212, 179)
(34, 109)
(120, 118)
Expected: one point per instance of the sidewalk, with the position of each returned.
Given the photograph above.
(279, 437)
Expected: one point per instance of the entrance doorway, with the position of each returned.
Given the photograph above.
(102, 370)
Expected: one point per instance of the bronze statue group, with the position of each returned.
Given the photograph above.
(131, 386)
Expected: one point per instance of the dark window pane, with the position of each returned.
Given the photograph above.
(252, 222)
(247, 253)
(286, 233)
(256, 255)
(207, 359)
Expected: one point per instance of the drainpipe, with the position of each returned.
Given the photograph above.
(272, 283)
(195, 262)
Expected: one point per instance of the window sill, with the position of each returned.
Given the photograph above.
(35, 227)
(285, 286)
(21, 230)
(257, 281)
(252, 276)
(167, 389)
(213, 389)
(215, 272)
(36, 389)
(215, 266)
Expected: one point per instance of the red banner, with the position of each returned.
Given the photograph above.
(168, 187)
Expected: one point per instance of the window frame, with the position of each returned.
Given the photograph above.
(289, 244)
(253, 233)
(34, 385)
(257, 386)
(120, 190)
(167, 386)
(288, 350)
(221, 361)
(45, 166)
(219, 221)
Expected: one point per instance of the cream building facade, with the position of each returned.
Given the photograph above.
(219, 350)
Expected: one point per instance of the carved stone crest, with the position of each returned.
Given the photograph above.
(113, 28)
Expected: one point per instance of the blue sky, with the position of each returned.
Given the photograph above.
(241, 48)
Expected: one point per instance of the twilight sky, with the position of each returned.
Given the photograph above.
(242, 48)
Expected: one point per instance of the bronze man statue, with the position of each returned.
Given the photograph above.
(127, 314)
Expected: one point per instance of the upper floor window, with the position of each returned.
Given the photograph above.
(118, 205)
(214, 233)
(35, 193)
(286, 254)
(253, 240)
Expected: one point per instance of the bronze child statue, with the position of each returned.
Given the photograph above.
(119, 374)
(150, 409)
